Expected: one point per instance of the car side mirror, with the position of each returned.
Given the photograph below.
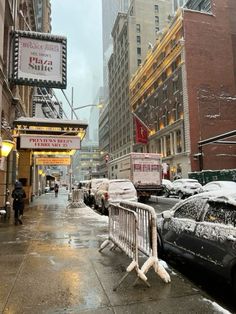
(167, 214)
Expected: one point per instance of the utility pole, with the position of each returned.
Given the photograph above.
(72, 102)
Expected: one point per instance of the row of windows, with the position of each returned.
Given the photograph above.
(165, 74)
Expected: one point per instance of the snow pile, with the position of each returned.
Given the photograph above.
(217, 307)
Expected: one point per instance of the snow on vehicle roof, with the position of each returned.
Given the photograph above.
(221, 183)
(186, 180)
(221, 196)
(119, 180)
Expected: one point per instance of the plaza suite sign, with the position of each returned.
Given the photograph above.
(49, 142)
(39, 59)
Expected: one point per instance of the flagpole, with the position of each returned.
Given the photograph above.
(141, 121)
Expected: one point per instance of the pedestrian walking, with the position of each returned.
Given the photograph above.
(18, 195)
(56, 189)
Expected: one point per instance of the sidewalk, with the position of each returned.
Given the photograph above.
(51, 264)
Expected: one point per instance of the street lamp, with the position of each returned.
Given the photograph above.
(6, 147)
(99, 106)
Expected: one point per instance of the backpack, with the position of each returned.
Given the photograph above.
(18, 196)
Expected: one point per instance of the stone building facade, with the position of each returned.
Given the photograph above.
(133, 35)
(15, 101)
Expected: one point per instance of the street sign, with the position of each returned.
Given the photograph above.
(52, 161)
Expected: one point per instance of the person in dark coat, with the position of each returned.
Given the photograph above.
(56, 189)
(18, 195)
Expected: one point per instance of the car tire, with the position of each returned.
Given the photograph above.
(166, 194)
(160, 249)
(103, 208)
(181, 195)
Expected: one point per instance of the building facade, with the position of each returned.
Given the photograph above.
(185, 91)
(15, 101)
(43, 16)
(110, 10)
(133, 35)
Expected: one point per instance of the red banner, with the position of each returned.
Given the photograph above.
(141, 132)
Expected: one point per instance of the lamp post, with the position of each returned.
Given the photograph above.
(99, 106)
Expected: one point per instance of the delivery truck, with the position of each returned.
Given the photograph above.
(143, 169)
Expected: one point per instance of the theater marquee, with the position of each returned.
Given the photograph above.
(49, 142)
(39, 59)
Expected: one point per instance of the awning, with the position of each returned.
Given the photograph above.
(49, 135)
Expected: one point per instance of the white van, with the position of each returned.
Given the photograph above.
(114, 191)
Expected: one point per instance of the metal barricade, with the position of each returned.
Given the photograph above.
(147, 237)
(132, 228)
(77, 199)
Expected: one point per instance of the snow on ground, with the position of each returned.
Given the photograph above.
(88, 212)
(217, 307)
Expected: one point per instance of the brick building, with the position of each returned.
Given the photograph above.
(185, 89)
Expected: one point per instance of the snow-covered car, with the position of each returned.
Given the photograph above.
(166, 185)
(217, 185)
(202, 230)
(183, 188)
(114, 191)
(90, 190)
(47, 189)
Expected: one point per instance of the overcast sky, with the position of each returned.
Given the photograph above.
(81, 22)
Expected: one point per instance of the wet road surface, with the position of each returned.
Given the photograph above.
(51, 264)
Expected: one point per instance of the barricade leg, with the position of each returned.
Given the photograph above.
(133, 265)
(159, 269)
(104, 245)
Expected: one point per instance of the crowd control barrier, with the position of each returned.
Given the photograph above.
(133, 228)
(76, 199)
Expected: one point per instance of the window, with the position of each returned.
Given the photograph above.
(139, 61)
(139, 51)
(178, 142)
(175, 86)
(138, 40)
(168, 151)
(131, 12)
(157, 20)
(190, 210)
(164, 76)
(156, 8)
(221, 213)
(179, 111)
(138, 28)
(165, 94)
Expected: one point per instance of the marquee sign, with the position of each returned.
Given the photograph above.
(39, 59)
(52, 161)
(49, 142)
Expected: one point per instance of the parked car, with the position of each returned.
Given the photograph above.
(90, 189)
(166, 185)
(217, 185)
(202, 230)
(47, 189)
(183, 188)
(114, 191)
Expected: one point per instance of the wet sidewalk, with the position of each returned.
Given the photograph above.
(51, 264)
